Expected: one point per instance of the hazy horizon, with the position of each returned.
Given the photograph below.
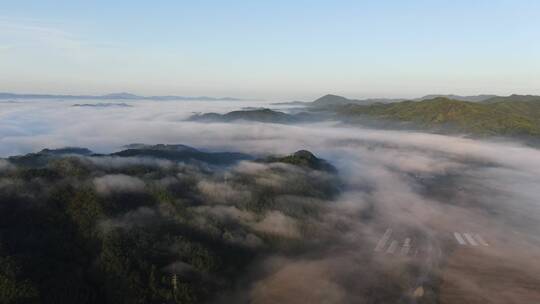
(275, 99)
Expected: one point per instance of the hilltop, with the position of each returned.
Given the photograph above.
(303, 158)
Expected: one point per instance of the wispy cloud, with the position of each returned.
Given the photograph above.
(33, 33)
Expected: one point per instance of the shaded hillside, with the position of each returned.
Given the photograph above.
(499, 118)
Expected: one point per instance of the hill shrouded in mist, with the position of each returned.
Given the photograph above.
(259, 115)
(79, 227)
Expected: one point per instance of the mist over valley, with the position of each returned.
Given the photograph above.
(145, 203)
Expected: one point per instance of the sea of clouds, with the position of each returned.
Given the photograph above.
(413, 182)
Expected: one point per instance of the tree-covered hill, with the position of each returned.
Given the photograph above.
(506, 118)
(77, 227)
(303, 158)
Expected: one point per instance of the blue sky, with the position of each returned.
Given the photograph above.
(271, 49)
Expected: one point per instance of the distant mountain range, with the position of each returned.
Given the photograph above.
(485, 115)
(331, 100)
(116, 96)
(102, 105)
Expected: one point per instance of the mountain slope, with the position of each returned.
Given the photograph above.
(500, 118)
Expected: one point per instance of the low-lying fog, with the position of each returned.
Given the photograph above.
(414, 183)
